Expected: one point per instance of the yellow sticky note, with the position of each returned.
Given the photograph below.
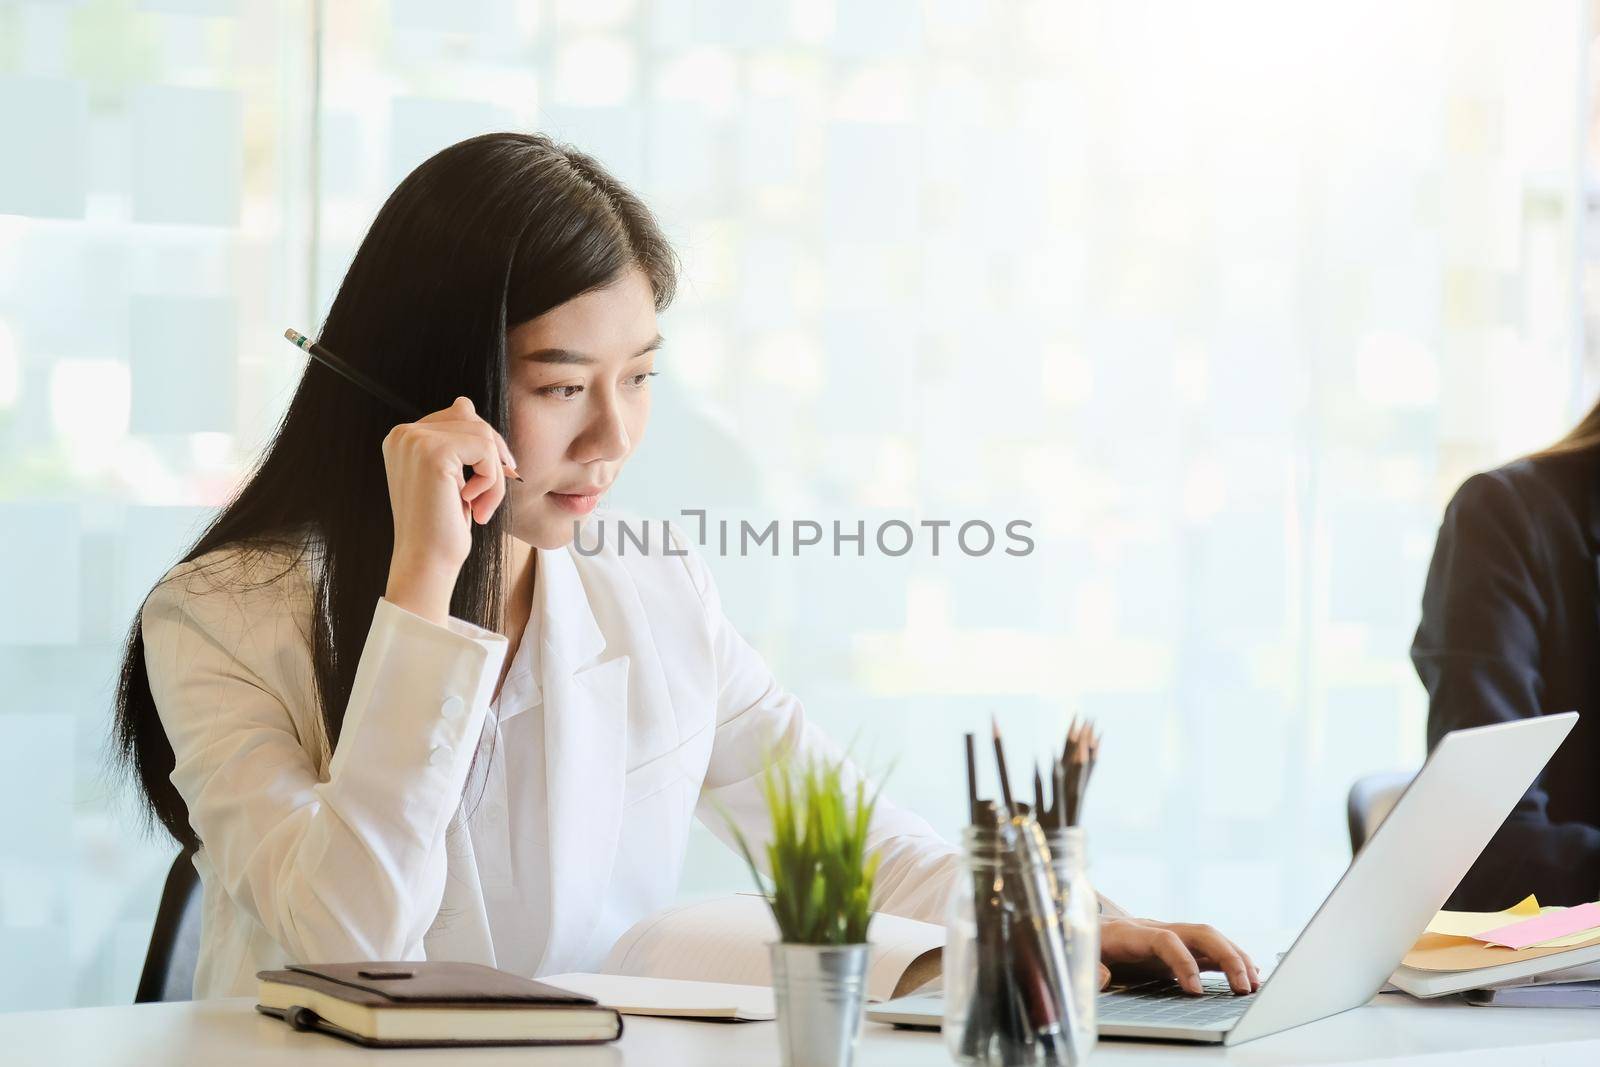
(1473, 923)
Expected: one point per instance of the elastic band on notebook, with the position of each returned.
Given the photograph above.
(302, 1018)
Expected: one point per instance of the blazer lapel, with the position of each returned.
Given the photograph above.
(585, 696)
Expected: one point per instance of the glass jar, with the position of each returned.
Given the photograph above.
(1079, 908)
(1009, 997)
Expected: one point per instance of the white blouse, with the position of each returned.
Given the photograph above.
(510, 840)
(631, 706)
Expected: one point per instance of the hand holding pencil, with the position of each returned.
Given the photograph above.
(446, 470)
(433, 498)
(435, 504)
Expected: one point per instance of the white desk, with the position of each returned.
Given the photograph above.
(1391, 1030)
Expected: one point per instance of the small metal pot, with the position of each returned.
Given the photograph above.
(819, 992)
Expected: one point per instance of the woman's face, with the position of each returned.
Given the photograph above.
(579, 401)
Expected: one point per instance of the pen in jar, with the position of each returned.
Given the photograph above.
(409, 411)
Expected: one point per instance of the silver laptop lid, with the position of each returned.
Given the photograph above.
(1405, 873)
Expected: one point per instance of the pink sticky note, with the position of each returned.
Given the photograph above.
(1544, 927)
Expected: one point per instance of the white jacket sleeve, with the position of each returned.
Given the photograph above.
(350, 865)
(755, 717)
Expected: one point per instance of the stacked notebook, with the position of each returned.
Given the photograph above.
(432, 1004)
(1521, 947)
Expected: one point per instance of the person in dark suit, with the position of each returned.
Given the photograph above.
(1511, 629)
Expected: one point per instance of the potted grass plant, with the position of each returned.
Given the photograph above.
(821, 891)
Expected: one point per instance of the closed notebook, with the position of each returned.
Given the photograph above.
(432, 1004)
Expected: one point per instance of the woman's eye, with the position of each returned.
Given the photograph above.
(568, 392)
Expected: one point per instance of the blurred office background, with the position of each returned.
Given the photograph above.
(1226, 299)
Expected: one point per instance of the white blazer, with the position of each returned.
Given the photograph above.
(631, 705)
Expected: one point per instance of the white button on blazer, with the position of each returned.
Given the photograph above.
(631, 706)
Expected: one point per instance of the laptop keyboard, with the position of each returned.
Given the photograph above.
(1161, 1002)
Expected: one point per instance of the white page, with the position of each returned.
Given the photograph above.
(671, 997)
(725, 939)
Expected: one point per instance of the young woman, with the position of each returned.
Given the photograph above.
(1511, 629)
(393, 709)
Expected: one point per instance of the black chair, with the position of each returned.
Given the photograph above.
(175, 941)
(1371, 800)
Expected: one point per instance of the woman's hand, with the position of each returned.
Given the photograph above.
(434, 504)
(1142, 947)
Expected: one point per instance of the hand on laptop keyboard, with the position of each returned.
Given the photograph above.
(1143, 947)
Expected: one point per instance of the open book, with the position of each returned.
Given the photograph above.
(724, 940)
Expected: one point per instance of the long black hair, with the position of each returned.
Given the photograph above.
(480, 238)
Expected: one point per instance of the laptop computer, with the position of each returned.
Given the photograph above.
(1389, 893)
